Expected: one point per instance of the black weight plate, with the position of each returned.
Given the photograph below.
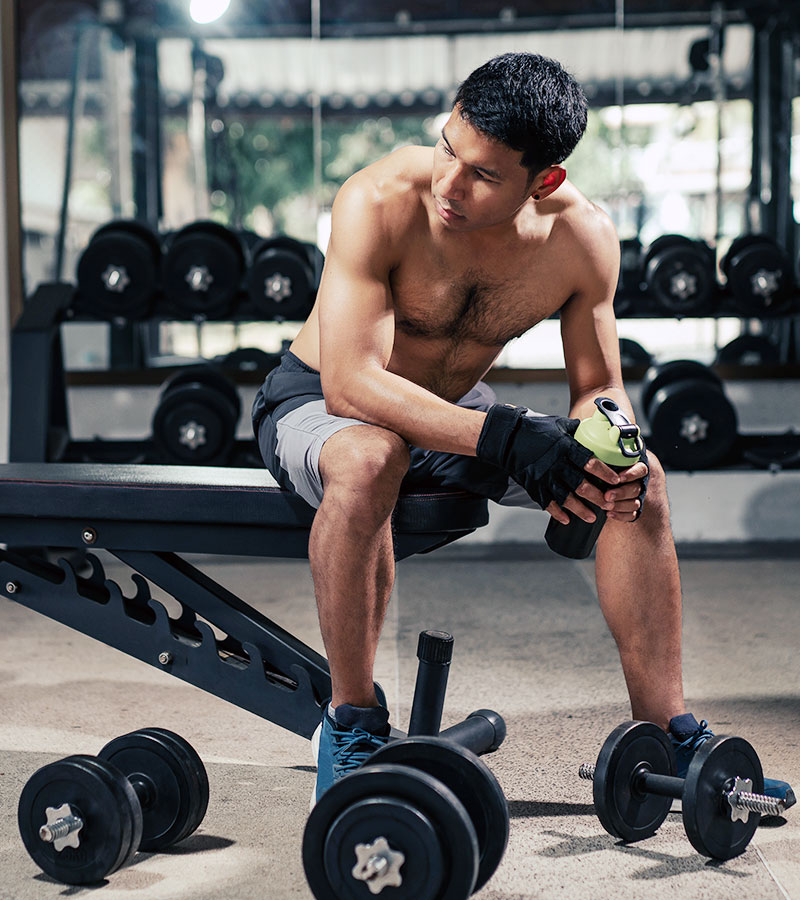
(134, 227)
(196, 771)
(99, 794)
(280, 280)
(203, 270)
(623, 810)
(630, 261)
(677, 370)
(660, 244)
(632, 353)
(749, 350)
(450, 863)
(251, 359)
(693, 425)
(706, 813)
(772, 451)
(739, 244)
(118, 272)
(208, 375)
(172, 793)
(760, 278)
(470, 780)
(195, 425)
(410, 829)
(681, 278)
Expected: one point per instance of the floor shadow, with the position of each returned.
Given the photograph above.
(533, 809)
(667, 866)
(198, 843)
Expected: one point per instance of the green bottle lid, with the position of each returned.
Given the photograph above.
(608, 433)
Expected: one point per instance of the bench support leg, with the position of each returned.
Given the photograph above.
(256, 664)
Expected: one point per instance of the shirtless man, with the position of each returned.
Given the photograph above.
(438, 257)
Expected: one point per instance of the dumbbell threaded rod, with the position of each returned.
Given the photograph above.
(54, 831)
(670, 786)
(434, 651)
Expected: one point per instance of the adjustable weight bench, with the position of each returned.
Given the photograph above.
(147, 516)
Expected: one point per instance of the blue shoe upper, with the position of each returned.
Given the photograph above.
(344, 746)
(686, 743)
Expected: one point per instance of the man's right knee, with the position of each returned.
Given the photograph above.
(365, 458)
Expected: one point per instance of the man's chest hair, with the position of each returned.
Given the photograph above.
(475, 308)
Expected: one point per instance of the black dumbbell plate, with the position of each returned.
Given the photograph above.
(623, 810)
(470, 780)
(706, 814)
(102, 797)
(177, 795)
(415, 813)
(660, 376)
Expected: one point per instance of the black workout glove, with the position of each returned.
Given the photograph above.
(643, 458)
(538, 452)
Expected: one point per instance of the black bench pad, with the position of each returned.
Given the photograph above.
(189, 494)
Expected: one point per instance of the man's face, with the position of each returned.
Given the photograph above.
(477, 182)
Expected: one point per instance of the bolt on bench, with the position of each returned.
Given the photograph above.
(147, 516)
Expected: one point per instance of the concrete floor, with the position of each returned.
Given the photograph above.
(530, 642)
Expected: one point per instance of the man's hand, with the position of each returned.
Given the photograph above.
(540, 454)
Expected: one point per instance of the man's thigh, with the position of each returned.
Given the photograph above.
(291, 441)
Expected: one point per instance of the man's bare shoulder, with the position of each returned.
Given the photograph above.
(584, 234)
(394, 188)
(584, 222)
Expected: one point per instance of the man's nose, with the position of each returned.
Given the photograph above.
(452, 183)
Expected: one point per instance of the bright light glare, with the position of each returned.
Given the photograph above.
(205, 11)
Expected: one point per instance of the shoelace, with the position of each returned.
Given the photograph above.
(697, 739)
(352, 748)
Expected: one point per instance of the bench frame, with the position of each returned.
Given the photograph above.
(249, 660)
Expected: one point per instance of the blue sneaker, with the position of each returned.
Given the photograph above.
(345, 741)
(688, 735)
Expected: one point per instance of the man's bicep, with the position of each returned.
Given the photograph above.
(355, 301)
(589, 336)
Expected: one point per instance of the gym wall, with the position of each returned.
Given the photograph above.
(129, 110)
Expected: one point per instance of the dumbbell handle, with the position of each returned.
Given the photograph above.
(481, 732)
(434, 651)
(670, 786)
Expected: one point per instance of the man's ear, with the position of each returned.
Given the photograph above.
(547, 181)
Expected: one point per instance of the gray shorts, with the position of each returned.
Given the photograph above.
(291, 425)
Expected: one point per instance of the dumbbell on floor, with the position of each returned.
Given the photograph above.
(83, 817)
(424, 816)
(634, 784)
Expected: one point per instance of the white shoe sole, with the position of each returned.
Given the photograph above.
(315, 739)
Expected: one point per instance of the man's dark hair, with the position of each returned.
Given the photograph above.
(528, 102)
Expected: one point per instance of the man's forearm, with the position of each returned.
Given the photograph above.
(416, 414)
(583, 406)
